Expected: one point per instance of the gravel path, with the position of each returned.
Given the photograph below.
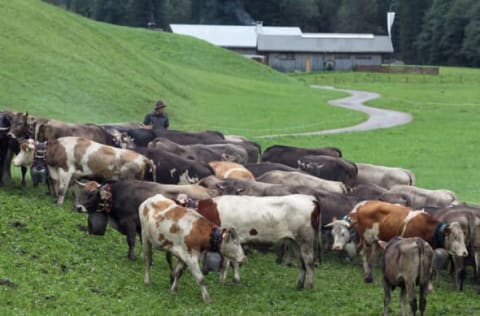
(378, 118)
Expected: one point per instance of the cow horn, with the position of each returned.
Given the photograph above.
(79, 183)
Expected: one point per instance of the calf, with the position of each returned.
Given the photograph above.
(187, 235)
(118, 203)
(407, 262)
(70, 158)
(376, 220)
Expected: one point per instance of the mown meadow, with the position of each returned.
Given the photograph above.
(55, 64)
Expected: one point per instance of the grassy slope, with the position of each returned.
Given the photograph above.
(97, 72)
(56, 64)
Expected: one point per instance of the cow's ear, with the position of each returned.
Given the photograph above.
(382, 244)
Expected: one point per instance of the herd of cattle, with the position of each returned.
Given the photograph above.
(193, 192)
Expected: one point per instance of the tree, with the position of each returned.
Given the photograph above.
(471, 42)
(356, 16)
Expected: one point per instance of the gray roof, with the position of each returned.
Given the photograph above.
(334, 43)
(232, 35)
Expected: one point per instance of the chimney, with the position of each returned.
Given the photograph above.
(259, 27)
(390, 18)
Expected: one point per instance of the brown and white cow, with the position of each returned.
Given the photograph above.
(187, 235)
(228, 169)
(376, 220)
(386, 177)
(302, 179)
(407, 262)
(71, 157)
(267, 220)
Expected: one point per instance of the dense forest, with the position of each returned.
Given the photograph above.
(435, 32)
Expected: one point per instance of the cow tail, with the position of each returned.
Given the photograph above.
(152, 169)
(316, 223)
(413, 180)
(422, 274)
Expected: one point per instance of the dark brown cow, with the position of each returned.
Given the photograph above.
(376, 220)
(289, 155)
(407, 262)
(201, 152)
(329, 168)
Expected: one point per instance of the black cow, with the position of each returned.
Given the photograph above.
(118, 203)
(289, 155)
(329, 168)
(201, 152)
(173, 169)
(257, 169)
(8, 147)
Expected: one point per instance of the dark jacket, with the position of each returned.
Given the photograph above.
(159, 122)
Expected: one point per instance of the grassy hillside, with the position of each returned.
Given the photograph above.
(56, 64)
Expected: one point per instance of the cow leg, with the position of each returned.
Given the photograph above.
(194, 267)
(131, 232)
(177, 273)
(476, 256)
(24, 172)
(224, 271)
(423, 298)
(403, 294)
(368, 259)
(459, 272)
(412, 299)
(236, 272)
(63, 182)
(147, 255)
(387, 290)
(306, 266)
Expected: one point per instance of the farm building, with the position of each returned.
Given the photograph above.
(288, 49)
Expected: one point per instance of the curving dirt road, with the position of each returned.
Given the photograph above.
(378, 118)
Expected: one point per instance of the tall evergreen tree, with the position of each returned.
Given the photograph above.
(471, 42)
(356, 16)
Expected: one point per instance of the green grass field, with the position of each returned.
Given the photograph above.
(55, 64)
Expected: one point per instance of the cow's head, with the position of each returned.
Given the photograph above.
(454, 239)
(19, 126)
(87, 196)
(26, 154)
(4, 124)
(341, 233)
(231, 247)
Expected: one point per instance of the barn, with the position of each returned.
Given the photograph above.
(288, 49)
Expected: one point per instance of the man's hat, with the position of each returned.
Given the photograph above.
(159, 105)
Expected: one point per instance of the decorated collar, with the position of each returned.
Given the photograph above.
(216, 236)
(105, 204)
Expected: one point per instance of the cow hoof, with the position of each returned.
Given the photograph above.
(131, 257)
(368, 279)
